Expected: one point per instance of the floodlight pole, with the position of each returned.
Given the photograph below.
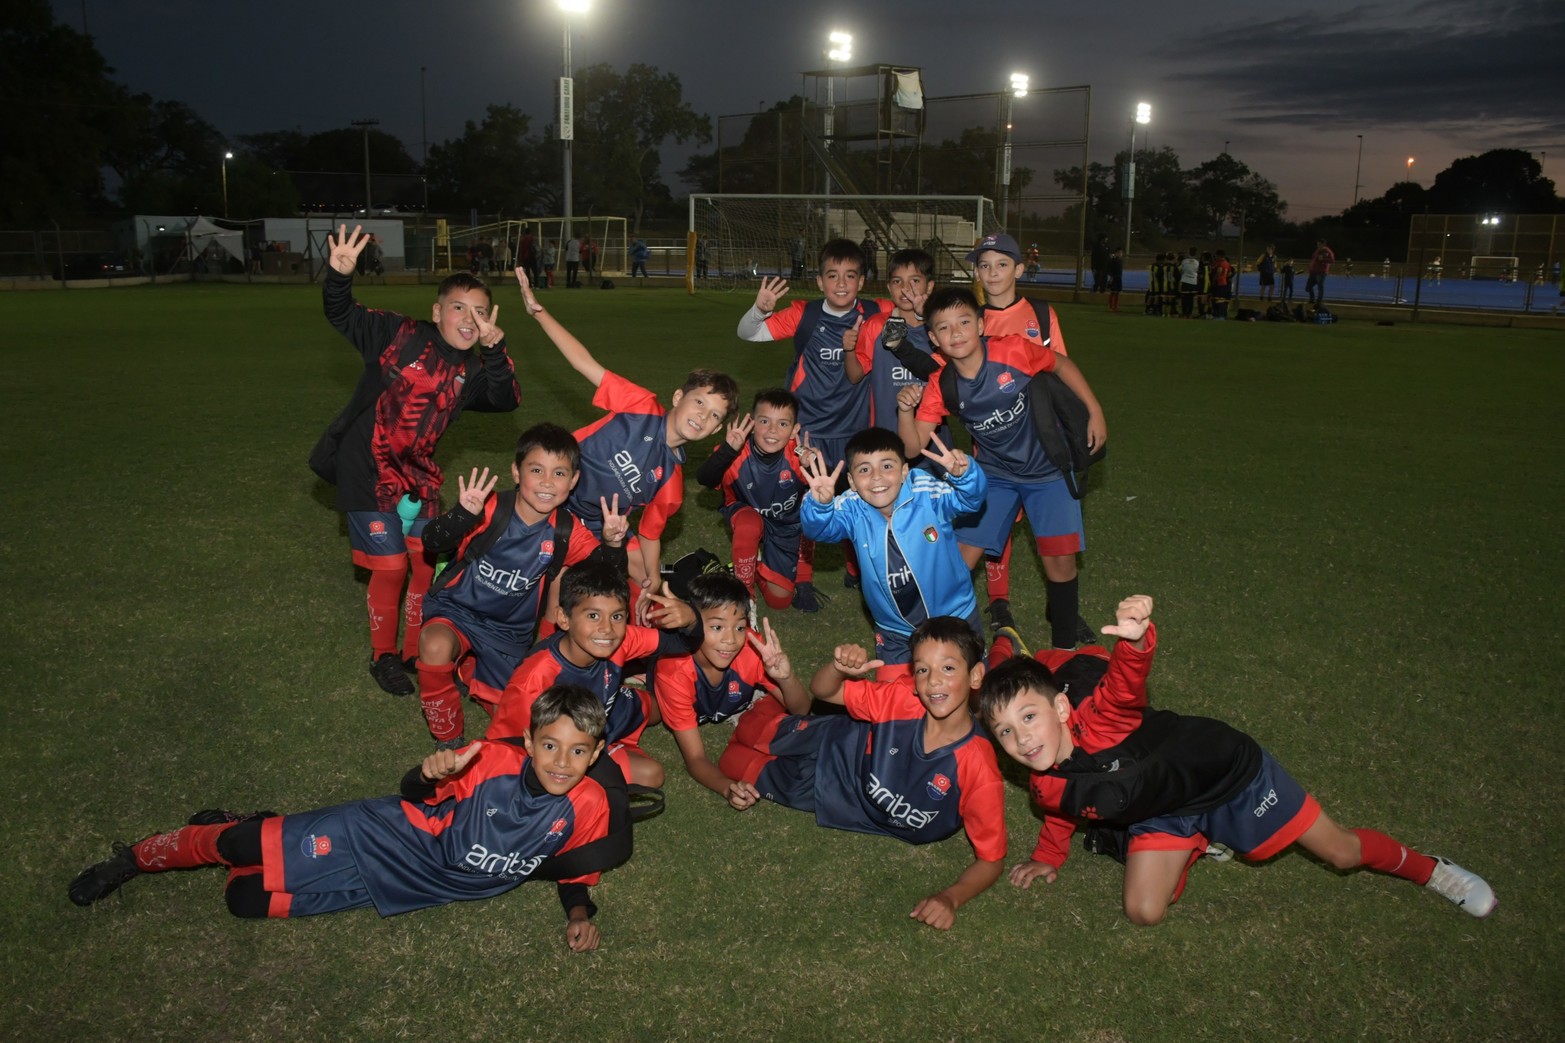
(567, 126)
(226, 157)
(1357, 171)
(1143, 115)
(423, 130)
(369, 208)
(1018, 89)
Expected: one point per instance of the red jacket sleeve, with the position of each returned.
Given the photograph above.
(1114, 709)
(932, 407)
(983, 799)
(1054, 836)
(514, 712)
(869, 339)
(664, 505)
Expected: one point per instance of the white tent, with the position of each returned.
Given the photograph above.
(201, 234)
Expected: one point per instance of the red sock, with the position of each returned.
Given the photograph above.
(997, 571)
(1387, 855)
(422, 576)
(442, 702)
(183, 848)
(850, 558)
(806, 571)
(747, 526)
(384, 592)
(1001, 650)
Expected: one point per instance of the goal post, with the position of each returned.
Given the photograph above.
(1493, 266)
(749, 236)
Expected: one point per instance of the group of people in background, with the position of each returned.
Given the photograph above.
(539, 258)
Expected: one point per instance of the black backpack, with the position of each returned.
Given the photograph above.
(1059, 417)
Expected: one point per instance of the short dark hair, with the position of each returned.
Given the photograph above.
(873, 440)
(462, 281)
(841, 250)
(591, 579)
(718, 383)
(569, 700)
(777, 398)
(551, 438)
(1010, 679)
(949, 298)
(918, 259)
(712, 590)
(953, 631)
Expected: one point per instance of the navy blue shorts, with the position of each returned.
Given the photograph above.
(313, 864)
(1269, 814)
(377, 539)
(1053, 513)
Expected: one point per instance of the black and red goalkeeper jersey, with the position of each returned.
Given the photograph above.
(388, 451)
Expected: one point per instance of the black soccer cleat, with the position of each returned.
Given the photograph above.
(851, 581)
(219, 817)
(1000, 614)
(102, 879)
(387, 672)
(807, 599)
(450, 744)
(1085, 635)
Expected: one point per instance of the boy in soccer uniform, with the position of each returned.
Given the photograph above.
(594, 642)
(906, 761)
(482, 612)
(892, 348)
(380, 450)
(469, 824)
(991, 378)
(733, 668)
(637, 451)
(1008, 313)
(757, 470)
(900, 522)
(831, 407)
(1178, 782)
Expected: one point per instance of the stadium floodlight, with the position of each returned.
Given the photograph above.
(226, 157)
(1019, 81)
(839, 49)
(841, 46)
(1143, 116)
(567, 123)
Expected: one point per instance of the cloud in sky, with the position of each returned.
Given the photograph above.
(1443, 64)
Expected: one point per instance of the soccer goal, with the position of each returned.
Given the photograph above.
(737, 239)
(1491, 266)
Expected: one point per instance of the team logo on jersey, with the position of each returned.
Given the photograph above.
(733, 687)
(657, 474)
(556, 828)
(316, 846)
(378, 531)
(1032, 329)
(1005, 382)
(801, 724)
(931, 535)
(784, 476)
(546, 549)
(939, 786)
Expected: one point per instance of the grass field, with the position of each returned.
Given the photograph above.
(1351, 532)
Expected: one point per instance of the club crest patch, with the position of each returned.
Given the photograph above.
(939, 786)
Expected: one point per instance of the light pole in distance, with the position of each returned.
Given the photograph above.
(1018, 90)
(1143, 116)
(567, 108)
(226, 157)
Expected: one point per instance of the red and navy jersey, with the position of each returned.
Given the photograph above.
(876, 777)
(1025, 317)
(388, 451)
(884, 374)
(496, 598)
(548, 666)
(626, 454)
(1132, 762)
(482, 833)
(688, 698)
(830, 406)
(994, 408)
(770, 483)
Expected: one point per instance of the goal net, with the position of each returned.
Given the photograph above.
(1492, 266)
(750, 236)
(501, 238)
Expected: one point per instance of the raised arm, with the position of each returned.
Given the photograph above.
(752, 324)
(848, 662)
(575, 351)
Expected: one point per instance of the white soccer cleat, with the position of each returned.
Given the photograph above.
(1467, 889)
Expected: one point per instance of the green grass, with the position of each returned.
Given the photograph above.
(1350, 530)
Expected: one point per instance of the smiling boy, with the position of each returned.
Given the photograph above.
(900, 522)
(418, 378)
(637, 451)
(483, 610)
(906, 761)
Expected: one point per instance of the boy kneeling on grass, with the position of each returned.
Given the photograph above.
(907, 761)
(470, 823)
(733, 668)
(1177, 782)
